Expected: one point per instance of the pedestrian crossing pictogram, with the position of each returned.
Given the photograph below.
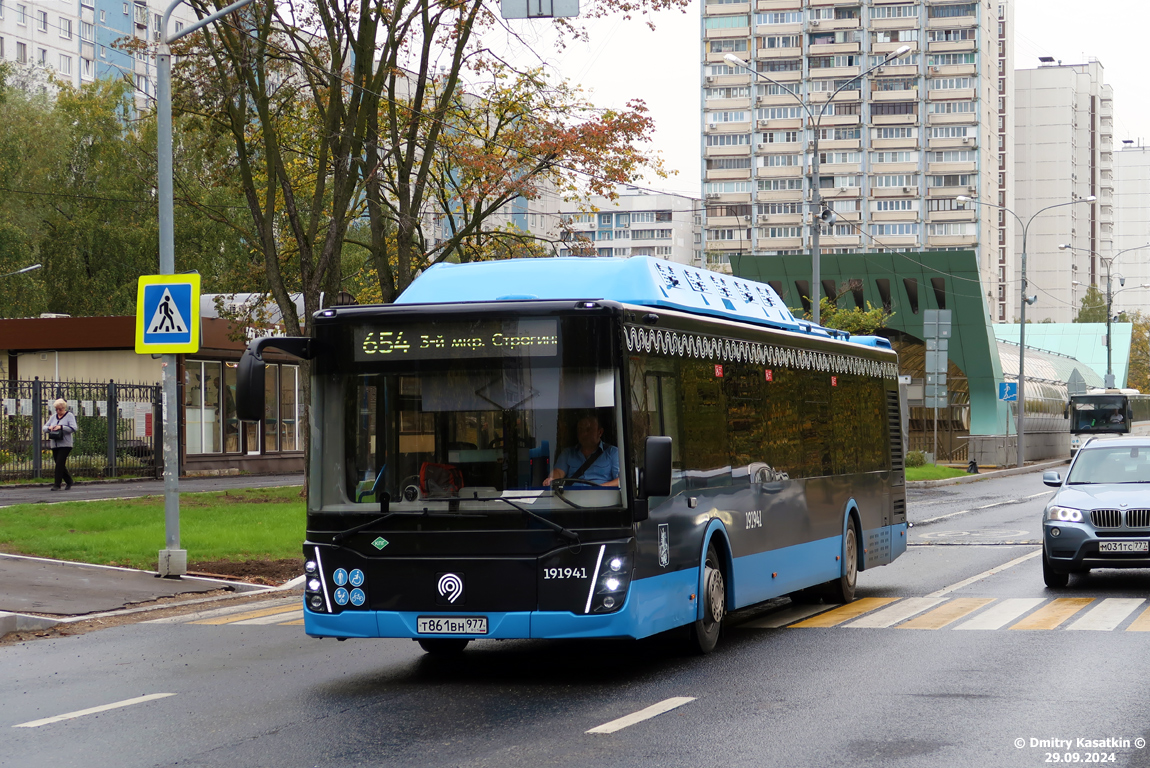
(167, 317)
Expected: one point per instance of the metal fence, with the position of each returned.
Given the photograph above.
(119, 435)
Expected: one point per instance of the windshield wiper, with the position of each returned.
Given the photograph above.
(402, 513)
(566, 533)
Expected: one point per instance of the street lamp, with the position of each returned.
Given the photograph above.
(21, 271)
(1026, 300)
(1109, 382)
(818, 217)
(168, 267)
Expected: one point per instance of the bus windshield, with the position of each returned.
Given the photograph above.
(1098, 414)
(485, 413)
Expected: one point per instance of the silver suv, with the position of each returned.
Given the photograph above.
(1100, 516)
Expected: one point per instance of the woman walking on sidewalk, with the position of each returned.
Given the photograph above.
(60, 428)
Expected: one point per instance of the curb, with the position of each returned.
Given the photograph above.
(17, 622)
(1040, 466)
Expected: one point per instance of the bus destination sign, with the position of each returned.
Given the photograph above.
(534, 337)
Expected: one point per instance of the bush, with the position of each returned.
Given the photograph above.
(916, 458)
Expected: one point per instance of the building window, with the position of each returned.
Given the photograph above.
(894, 11)
(21, 53)
(87, 31)
(726, 22)
(86, 69)
(66, 28)
(42, 57)
(894, 108)
(42, 21)
(65, 64)
(21, 15)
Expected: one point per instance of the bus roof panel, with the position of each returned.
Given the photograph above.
(639, 280)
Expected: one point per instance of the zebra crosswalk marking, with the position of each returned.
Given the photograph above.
(846, 612)
(234, 618)
(1140, 624)
(999, 615)
(1108, 614)
(275, 618)
(1054, 613)
(947, 614)
(899, 612)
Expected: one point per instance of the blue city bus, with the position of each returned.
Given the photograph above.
(728, 454)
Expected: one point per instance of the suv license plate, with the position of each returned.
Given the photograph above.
(451, 625)
(1124, 546)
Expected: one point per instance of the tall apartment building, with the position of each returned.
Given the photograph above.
(1132, 222)
(76, 41)
(636, 223)
(895, 148)
(1064, 129)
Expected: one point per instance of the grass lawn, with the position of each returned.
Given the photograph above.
(250, 524)
(933, 472)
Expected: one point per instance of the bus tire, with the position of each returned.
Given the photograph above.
(443, 646)
(842, 589)
(704, 632)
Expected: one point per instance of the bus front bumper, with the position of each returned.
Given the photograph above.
(653, 605)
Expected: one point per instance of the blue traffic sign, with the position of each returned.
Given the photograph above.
(1008, 391)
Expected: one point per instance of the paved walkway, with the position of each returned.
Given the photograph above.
(86, 491)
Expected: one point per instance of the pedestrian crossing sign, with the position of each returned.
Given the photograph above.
(168, 314)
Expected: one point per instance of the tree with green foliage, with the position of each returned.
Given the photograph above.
(1093, 309)
(1138, 375)
(77, 174)
(854, 320)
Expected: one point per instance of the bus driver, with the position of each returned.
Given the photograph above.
(591, 459)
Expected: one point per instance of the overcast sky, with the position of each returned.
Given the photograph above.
(625, 60)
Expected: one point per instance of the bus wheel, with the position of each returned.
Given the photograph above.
(443, 646)
(705, 631)
(842, 589)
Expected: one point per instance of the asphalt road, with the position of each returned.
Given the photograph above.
(246, 692)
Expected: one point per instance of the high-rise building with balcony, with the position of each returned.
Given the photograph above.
(1132, 222)
(1064, 132)
(896, 146)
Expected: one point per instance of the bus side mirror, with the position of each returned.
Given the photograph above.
(655, 478)
(250, 386)
(1066, 411)
(250, 374)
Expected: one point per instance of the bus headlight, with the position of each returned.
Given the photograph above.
(316, 602)
(1063, 514)
(611, 586)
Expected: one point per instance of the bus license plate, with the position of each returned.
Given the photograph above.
(1124, 546)
(451, 625)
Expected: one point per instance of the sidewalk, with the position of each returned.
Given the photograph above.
(25, 493)
(38, 593)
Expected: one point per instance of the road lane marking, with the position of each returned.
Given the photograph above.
(846, 612)
(1054, 613)
(93, 710)
(900, 611)
(275, 618)
(985, 574)
(1001, 614)
(643, 714)
(279, 609)
(1140, 624)
(786, 616)
(947, 614)
(297, 623)
(984, 506)
(1108, 614)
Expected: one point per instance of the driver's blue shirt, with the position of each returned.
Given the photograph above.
(603, 469)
